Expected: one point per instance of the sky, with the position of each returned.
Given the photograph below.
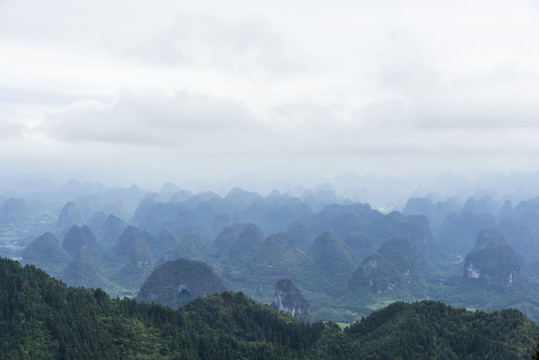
(156, 91)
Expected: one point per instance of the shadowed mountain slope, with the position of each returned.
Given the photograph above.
(45, 253)
(82, 271)
(175, 283)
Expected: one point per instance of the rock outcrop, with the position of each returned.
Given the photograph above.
(416, 229)
(520, 238)
(289, 299)
(493, 263)
(394, 265)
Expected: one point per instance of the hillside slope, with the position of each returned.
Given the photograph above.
(41, 317)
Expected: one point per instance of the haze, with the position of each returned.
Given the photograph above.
(149, 92)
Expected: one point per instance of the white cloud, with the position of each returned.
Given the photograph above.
(381, 84)
(10, 129)
(152, 118)
(246, 47)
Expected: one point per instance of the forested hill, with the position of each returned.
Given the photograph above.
(432, 330)
(41, 318)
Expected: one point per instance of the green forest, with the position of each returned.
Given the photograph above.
(42, 318)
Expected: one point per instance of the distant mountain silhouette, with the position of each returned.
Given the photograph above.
(300, 234)
(361, 243)
(458, 231)
(190, 246)
(332, 262)
(110, 230)
(277, 257)
(237, 243)
(69, 216)
(45, 253)
(82, 271)
(393, 266)
(127, 242)
(76, 238)
(521, 238)
(15, 212)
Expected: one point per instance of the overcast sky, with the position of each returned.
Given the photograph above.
(167, 90)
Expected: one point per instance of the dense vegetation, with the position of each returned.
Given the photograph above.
(432, 330)
(347, 258)
(42, 318)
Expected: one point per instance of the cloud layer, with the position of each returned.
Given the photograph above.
(281, 87)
